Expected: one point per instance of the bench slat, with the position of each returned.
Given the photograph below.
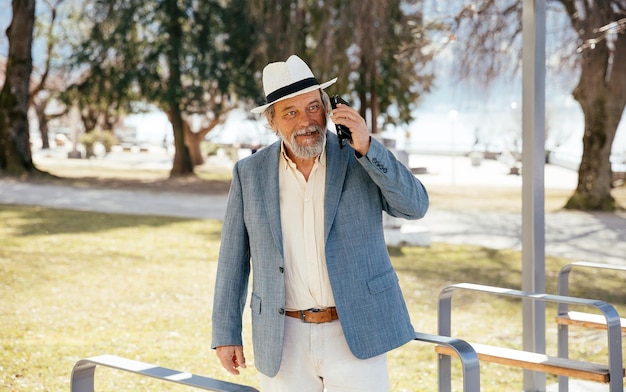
(537, 362)
(587, 320)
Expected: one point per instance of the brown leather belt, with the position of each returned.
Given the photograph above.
(316, 316)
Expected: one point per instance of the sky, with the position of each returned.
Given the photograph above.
(5, 18)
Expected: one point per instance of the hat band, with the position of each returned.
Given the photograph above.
(290, 89)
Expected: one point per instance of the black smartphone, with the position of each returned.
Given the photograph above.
(343, 132)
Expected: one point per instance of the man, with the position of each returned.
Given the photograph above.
(306, 216)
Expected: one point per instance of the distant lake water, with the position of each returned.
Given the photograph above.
(439, 130)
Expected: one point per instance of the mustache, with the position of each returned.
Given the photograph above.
(308, 130)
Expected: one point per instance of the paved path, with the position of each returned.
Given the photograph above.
(113, 201)
(598, 237)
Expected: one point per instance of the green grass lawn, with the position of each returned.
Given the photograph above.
(79, 284)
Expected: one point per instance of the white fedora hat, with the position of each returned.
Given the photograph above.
(282, 80)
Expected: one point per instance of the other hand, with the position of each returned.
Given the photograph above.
(231, 358)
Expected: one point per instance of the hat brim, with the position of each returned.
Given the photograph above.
(261, 109)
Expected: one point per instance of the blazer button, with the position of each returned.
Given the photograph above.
(281, 269)
(281, 311)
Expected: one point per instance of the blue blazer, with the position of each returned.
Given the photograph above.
(365, 286)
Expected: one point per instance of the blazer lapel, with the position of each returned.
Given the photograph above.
(336, 167)
(271, 197)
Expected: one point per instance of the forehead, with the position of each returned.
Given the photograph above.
(299, 100)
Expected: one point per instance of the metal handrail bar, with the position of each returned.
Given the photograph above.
(563, 278)
(614, 336)
(83, 375)
(82, 379)
(467, 355)
(563, 289)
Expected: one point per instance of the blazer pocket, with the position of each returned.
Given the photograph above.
(383, 281)
(255, 304)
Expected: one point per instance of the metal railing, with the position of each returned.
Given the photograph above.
(83, 375)
(614, 336)
(562, 310)
(467, 355)
(82, 379)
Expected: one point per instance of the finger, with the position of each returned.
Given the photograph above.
(240, 359)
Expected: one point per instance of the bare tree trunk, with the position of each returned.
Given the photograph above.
(601, 93)
(89, 118)
(40, 109)
(182, 165)
(374, 101)
(15, 153)
(38, 102)
(370, 37)
(193, 140)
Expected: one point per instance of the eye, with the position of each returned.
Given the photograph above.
(314, 108)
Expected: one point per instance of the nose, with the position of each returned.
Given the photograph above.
(307, 119)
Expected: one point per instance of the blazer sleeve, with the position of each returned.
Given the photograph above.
(233, 271)
(404, 196)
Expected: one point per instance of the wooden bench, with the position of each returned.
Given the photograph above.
(537, 362)
(565, 318)
(612, 373)
(588, 320)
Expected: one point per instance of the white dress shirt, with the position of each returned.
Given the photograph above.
(302, 219)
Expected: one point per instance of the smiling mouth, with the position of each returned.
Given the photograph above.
(308, 132)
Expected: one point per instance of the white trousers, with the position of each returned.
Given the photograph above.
(316, 358)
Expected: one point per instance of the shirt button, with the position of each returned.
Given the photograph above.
(281, 269)
(281, 311)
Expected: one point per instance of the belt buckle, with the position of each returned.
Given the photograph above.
(312, 310)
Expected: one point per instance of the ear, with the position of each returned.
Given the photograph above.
(272, 124)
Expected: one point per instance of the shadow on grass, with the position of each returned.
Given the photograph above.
(154, 181)
(444, 264)
(33, 221)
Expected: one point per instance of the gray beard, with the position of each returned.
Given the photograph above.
(306, 151)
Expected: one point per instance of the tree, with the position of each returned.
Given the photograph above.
(376, 48)
(175, 55)
(489, 27)
(601, 93)
(43, 90)
(103, 85)
(15, 153)
(392, 54)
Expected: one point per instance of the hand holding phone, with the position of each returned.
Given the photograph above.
(343, 132)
